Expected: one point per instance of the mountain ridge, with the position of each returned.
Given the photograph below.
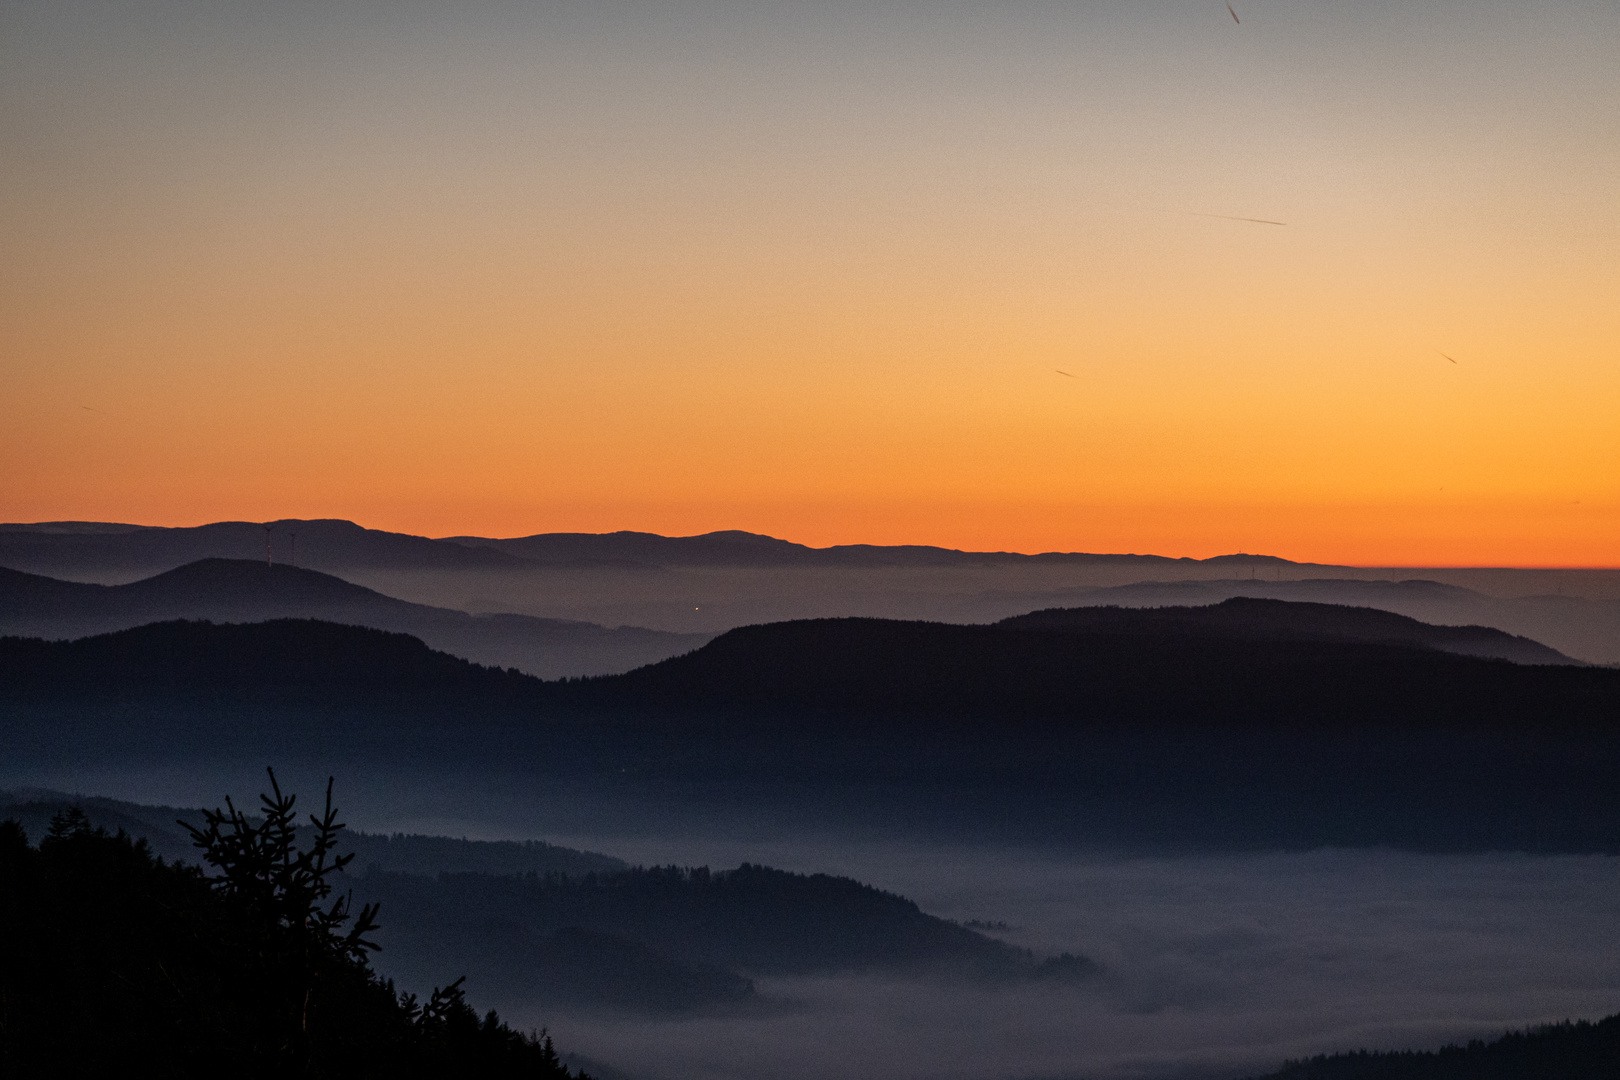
(1114, 663)
(238, 590)
(1130, 739)
(1264, 619)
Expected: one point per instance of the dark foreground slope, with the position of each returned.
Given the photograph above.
(239, 590)
(1192, 737)
(110, 959)
(1578, 1051)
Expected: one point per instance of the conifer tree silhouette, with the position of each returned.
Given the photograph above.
(283, 892)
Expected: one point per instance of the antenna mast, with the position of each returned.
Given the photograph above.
(268, 560)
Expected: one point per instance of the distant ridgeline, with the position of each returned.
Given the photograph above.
(79, 547)
(1567, 1051)
(1251, 722)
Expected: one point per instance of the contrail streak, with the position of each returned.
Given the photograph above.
(1228, 217)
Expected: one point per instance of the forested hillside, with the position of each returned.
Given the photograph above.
(667, 938)
(1567, 1051)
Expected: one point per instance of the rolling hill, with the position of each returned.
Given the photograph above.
(238, 590)
(1254, 619)
(1244, 661)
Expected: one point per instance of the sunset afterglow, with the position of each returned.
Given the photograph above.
(955, 274)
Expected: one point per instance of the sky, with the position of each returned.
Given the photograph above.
(971, 274)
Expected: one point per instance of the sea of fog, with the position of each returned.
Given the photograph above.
(1214, 965)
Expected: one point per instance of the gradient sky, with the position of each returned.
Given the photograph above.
(813, 268)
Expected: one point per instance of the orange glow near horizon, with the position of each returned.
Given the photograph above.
(830, 300)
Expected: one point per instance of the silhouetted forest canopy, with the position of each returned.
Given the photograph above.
(255, 966)
(1567, 1051)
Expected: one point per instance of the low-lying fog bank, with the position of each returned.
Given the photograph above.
(1219, 966)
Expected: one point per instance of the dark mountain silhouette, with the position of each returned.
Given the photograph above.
(1108, 665)
(1580, 627)
(1246, 618)
(1249, 662)
(77, 549)
(291, 661)
(1194, 736)
(238, 590)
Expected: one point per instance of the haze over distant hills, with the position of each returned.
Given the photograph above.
(238, 590)
(711, 583)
